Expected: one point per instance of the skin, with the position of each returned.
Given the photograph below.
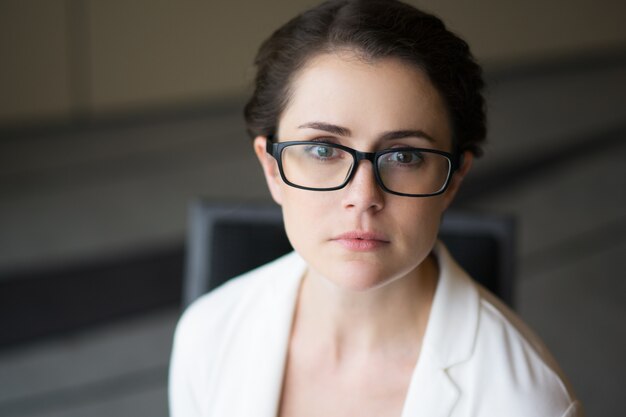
(360, 315)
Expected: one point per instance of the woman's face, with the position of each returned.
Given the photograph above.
(361, 237)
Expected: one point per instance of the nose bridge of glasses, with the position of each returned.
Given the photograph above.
(360, 156)
(369, 156)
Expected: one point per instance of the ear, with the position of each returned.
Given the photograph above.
(270, 169)
(457, 178)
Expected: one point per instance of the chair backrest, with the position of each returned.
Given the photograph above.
(225, 240)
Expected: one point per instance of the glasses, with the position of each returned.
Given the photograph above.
(321, 166)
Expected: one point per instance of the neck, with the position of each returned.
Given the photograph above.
(387, 320)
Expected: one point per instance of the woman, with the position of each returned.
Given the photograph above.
(365, 118)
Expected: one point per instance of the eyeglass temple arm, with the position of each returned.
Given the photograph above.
(269, 144)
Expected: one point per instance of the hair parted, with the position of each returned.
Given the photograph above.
(374, 29)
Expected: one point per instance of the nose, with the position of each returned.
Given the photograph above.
(363, 192)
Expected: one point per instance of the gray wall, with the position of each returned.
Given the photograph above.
(72, 58)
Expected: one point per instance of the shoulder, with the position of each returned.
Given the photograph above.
(519, 365)
(214, 325)
(512, 371)
(500, 365)
(215, 312)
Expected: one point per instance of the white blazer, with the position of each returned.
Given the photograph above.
(477, 359)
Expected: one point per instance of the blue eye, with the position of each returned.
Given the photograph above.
(321, 151)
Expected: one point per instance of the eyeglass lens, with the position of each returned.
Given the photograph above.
(322, 166)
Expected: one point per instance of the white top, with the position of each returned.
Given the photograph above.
(477, 359)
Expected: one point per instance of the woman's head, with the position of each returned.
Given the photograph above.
(373, 30)
(375, 77)
(360, 236)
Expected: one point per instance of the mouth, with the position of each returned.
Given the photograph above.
(361, 241)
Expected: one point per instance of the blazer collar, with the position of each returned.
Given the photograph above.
(453, 323)
(449, 340)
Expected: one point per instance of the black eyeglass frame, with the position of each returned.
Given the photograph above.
(275, 149)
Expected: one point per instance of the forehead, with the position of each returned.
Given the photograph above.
(367, 97)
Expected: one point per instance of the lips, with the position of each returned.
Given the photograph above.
(361, 240)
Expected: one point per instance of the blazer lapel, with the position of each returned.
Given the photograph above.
(449, 340)
(432, 393)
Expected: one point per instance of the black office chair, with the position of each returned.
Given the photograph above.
(225, 240)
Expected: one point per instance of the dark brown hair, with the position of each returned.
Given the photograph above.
(374, 29)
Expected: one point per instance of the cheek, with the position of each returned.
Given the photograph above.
(306, 215)
(419, 221)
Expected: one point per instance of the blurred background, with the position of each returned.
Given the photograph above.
(114, 114)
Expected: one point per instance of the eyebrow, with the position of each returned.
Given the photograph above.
(344, 131)
(399, 134)
(327, 127)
